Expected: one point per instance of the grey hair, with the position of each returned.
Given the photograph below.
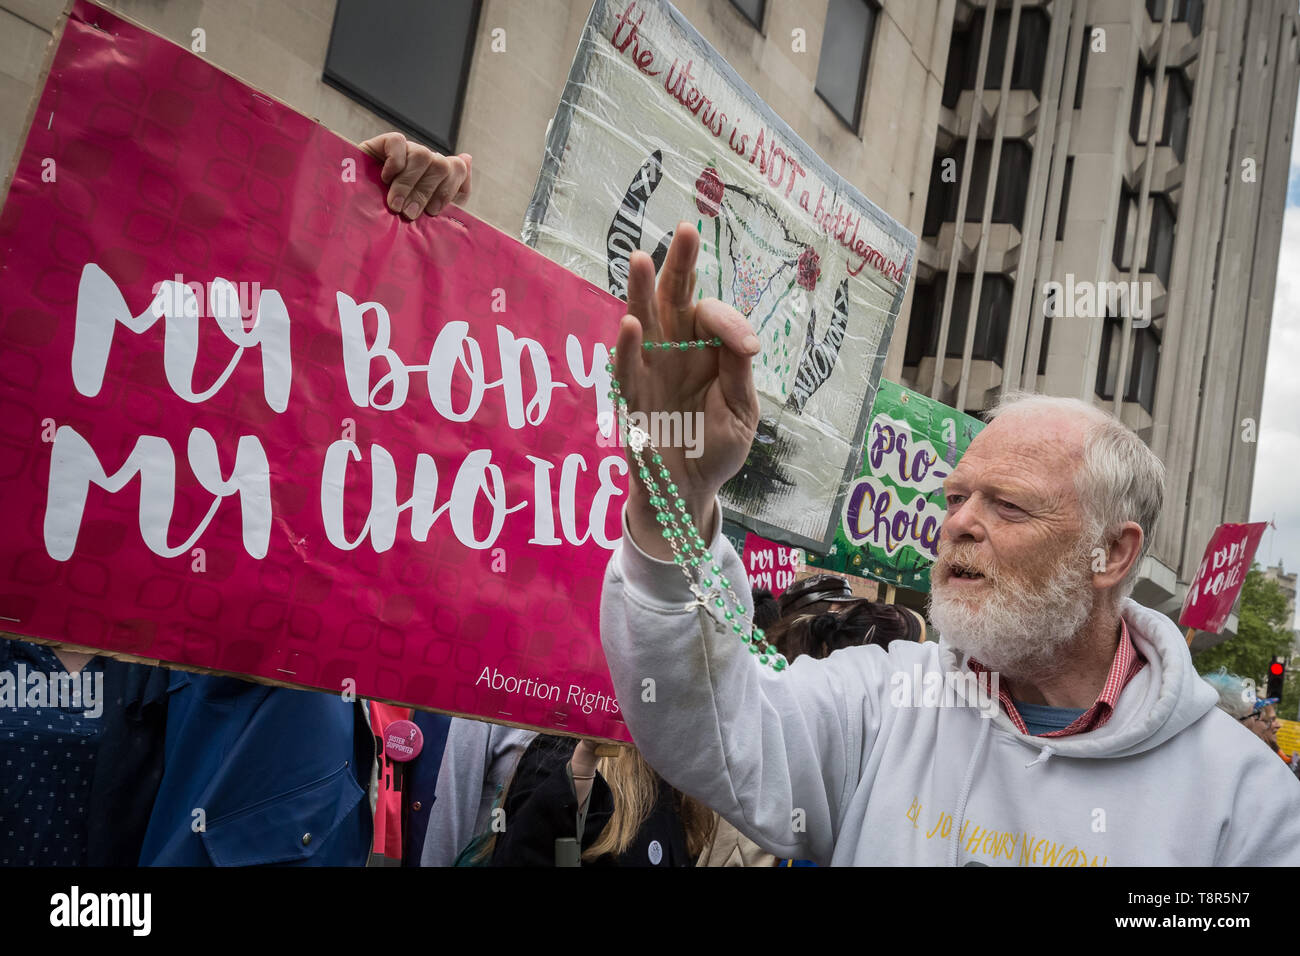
(1120, 479)
(1236, 694)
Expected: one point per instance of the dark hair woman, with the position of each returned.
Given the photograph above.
(820, 615)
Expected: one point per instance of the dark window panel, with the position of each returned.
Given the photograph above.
(1083, 67)
(751, 10)
(1013, 174)
(1160, 246)
(954, 78)
(1143, 103)
(990, 325)
(926, 300)
(846, 50)
(1127, 217)
(1065, 198)
(1047, 341)
(1144, 364)
(406, 60)
(1178, 103)
(1031, 50)
(941, 198)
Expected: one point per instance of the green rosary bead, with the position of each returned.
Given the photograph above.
(690, 550)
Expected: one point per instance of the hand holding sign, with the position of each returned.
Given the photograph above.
(420, 180)
(717, 385)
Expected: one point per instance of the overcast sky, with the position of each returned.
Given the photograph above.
(1277, 464)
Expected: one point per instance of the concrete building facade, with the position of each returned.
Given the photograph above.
(1047, 154)
(1119, 171)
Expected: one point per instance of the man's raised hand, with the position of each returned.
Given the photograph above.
(715, 383)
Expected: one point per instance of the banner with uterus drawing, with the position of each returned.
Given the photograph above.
(253, 423)
(655, 128)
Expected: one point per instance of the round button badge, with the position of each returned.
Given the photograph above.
(656, 852)
(403, 741)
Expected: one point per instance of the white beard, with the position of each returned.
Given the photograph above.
(1012, 629)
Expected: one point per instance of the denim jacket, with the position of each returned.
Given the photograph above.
(260, 775)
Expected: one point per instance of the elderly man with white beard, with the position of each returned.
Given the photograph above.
(1104, 747)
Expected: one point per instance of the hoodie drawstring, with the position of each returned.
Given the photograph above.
(1043, 756)
(960, 817)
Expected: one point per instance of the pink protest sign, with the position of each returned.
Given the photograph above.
(1218, 580)
(252, 422)
(770, 565)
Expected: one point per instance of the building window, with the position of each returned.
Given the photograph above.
(1013, 176)
(406, 60)
(927, 298)
(1046, 344)
(941, 200)
(846, 50)
(1083, 68)
(1144, 363)
(1178, 103)
(1125, 224)
(751, 10)
(990, 324)
(1160, 246)
(1026, 69)
(954, 77)
(1144, 90)
(1185, 11)
(1065, 198)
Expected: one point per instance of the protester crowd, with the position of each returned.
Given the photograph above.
(281, 776)
(745, 765)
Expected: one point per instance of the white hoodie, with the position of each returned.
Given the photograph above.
(823, 763)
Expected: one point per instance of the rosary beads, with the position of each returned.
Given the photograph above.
(690, 552)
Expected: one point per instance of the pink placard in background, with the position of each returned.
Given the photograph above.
(1220, 576)
(770, 565)
(373, 457)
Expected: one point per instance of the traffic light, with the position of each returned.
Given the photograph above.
(1276, 674)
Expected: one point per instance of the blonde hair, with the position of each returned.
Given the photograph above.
(634, 786)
